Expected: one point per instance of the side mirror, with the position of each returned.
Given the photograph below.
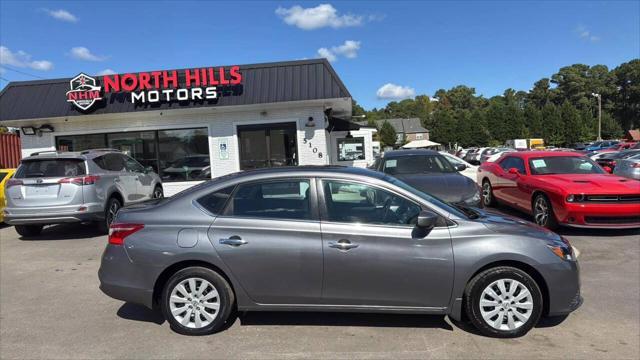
(608, 169)
(148, 169)
(514, 171)
(427, 219)
(460, 167)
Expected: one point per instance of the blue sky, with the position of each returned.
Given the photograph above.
(416, 47)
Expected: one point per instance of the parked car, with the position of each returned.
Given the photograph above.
(494, 153)
(561, 188)
(608, 161)
(5, 175)
(429, 171)
(599, 145)
(333, 239)
(477, 155)
(629, 167)
(469, 170)
(58, 187)
(580, 146)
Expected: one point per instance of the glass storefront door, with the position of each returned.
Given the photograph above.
(267, 145)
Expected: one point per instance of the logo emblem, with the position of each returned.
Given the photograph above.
(84, 91)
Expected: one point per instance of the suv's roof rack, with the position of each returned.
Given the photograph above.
(45, 152)
(98, 150)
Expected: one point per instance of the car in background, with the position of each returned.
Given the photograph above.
(494, 153)
(629, 167)
(475, 157)
(90, 186)
(5, 175)
(468, 170)
(334, 238)
(608, 161)
(431, 172)
(599, 145)
(561, 188)
(186, 168)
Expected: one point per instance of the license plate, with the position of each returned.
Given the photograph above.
(42, 190)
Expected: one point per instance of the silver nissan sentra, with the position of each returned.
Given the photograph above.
(334, 239)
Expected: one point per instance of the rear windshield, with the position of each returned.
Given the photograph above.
(2, 175)
(51, 168)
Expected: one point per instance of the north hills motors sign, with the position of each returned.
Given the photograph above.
(202, 84)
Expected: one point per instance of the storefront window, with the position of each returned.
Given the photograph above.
(350, 149)
(176, 155)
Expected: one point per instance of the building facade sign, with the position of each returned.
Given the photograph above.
(84, 92)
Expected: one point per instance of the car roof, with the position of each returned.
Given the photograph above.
(530, 154)
(309, 170)
(409, 152)
(80, 155)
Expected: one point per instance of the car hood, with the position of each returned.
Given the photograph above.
(506, 224)
(592, 183)
(452, 187)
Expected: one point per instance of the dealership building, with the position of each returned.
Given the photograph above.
(198, 123)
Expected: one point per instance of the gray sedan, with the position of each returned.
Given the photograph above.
(629, 167)
(334, 239)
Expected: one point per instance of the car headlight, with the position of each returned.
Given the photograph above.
(575, 198)
(562, 249)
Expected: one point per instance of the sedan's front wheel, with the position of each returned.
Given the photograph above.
(197, 301)
(503, 302)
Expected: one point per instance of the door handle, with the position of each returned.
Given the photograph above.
(342, 245)
(233, 241)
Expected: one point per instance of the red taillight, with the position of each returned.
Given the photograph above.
(83, 180)
(12, 182)
(118, 232)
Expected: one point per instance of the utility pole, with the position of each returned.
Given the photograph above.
(599, 97)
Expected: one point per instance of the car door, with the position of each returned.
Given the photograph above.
(125, 180)
(373, 253)
(269, 236)
(143, 180)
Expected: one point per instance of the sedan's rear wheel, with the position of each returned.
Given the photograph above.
(197, 301)
(487, 194)
(503, 302)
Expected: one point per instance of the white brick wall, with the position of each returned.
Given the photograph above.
(220, 124)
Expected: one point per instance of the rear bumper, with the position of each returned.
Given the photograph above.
(53, 215)
(615, 216)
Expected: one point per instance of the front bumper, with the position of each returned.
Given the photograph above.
(598, 215)
(53, 215)
(563, 282)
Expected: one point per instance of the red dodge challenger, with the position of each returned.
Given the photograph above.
(561, 188)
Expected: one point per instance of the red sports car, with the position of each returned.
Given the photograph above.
(561, 188)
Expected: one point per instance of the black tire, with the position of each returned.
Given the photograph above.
(157, 192)
(225, 300)
(474, 293)
(539, 203)
(487, 194)
(29, 230)
(109, 214)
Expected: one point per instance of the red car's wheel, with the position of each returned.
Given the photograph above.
(543, 212)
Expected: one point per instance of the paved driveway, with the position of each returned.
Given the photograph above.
(51, 307)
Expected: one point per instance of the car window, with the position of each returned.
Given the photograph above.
(359, 203)
(132, 165)
(287, 199)
(110, 162)
(215, 201)
(454, 160)
(51, 168)
(513, 162)
(417, 164)
(2, 175)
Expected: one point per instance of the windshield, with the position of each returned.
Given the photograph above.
(430, 198)
(51, 168)
(417, 164)
(564, 165)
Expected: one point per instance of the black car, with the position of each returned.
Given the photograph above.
(432, 173)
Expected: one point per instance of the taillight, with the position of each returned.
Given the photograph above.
(118, 232)
(12, 182)
(83, 180)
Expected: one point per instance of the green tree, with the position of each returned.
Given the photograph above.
(552, 128)
(572, 123)
(388, 136)
(533, 121)
(627, 101)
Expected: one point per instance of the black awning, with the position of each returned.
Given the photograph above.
(338, 124)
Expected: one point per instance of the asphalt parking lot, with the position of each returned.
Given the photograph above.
(51, 307)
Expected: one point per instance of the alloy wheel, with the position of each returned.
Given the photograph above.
(157, 193)
(194, 303)
(541, 211)
(486, 193)
(506, 304)
(113, 211)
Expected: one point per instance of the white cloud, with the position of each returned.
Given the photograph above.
(82, 53)
(349, 50)
(323, 15)
(393, 91)
(586, 34)
(106, 72)
(62, 15)
(23, 60)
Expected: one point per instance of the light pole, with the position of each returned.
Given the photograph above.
(599, 97)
